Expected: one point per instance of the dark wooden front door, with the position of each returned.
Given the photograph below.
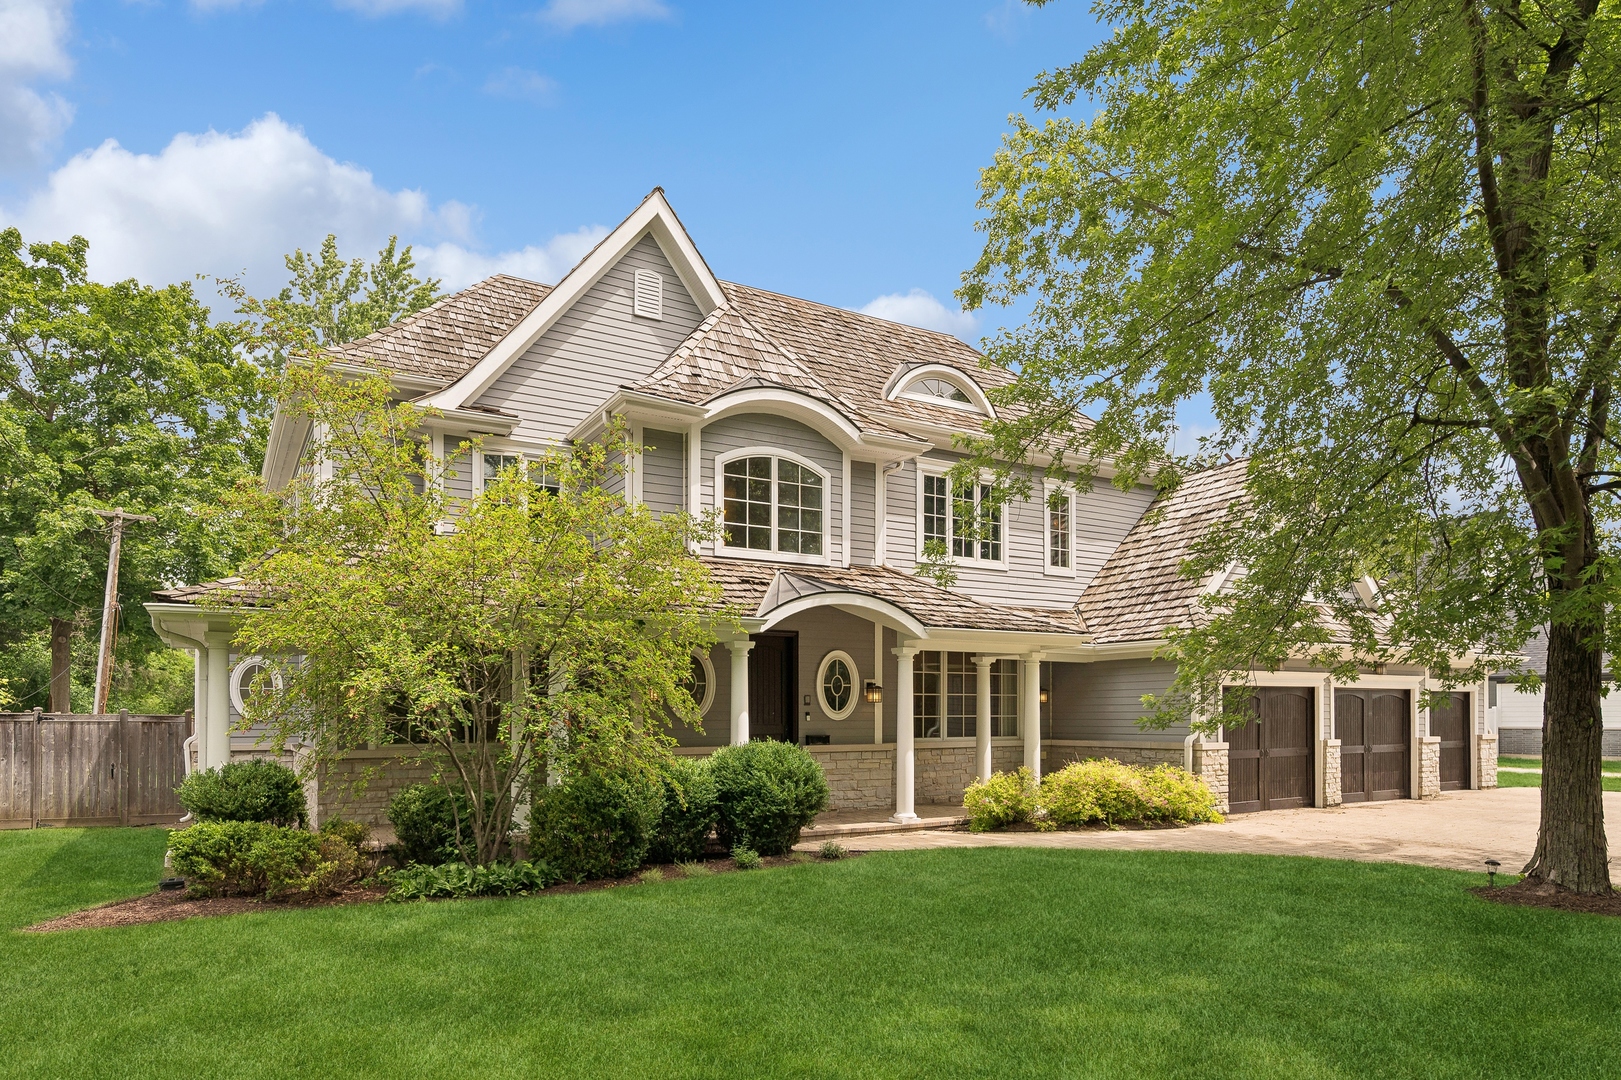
(1451, 724)
(1374, 730)
(1269, 760)
(773, 684)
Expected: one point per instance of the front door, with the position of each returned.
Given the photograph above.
(773, 684)
(1372, 726)
(1450, 723)
(1269, 761)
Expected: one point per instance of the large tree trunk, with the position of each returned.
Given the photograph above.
(1571, 846)
(61, 666)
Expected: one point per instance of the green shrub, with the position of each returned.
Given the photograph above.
(1004, 799)
(424, 820)
(746, 858)
(1107, 791)
(689, 811)
(831, 850)
(597, 823)
(255, 790)
(252, 858)
(454, 880)
(767, 792)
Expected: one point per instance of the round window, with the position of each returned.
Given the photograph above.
(701, 682)
(246, 670)
(837, 682)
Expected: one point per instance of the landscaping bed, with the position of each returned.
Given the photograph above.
(1537, 894)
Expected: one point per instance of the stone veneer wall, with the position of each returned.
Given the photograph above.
(860, 778)
(1429, 766)
(1487, 776)
(1333, 790)
(1210, 762)
(1528, 741)
(384, 772)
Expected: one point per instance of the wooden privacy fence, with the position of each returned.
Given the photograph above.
(115, 769)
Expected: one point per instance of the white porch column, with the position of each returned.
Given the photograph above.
(982, 717)
(217, 745)
(1030, 711)
(740, 690)
(877, 677)
(905, 753)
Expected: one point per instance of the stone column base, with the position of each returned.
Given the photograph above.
(1429, 767)
(1487, 775)
(1210, 763)
(1332, 789)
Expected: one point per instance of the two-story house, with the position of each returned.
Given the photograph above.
(823, 437)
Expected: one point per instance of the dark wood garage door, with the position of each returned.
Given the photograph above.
(1269, 760)
(1450, 722)
(1373, 727)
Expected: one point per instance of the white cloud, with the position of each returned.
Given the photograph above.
(920, 308)
(521, 84)
(438, 8)
(33, 36)
(236, 203)
(569, 14)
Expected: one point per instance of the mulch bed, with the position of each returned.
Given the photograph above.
(1541, 894)
(173, 905)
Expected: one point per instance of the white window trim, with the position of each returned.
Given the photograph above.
(773, 555)
(236, 676)
(966, 740)
(855, 684)
(709, 681)
(1049, 489)
(963, 560)
(980, 403)
(476, 461)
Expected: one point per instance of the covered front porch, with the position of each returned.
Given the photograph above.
(836, 659)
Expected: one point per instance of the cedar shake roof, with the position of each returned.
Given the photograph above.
(1140, 592)
(236, 587)
(759, 587)
(445, 339)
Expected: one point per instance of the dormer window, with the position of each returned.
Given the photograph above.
(942, 389)
(941, 384)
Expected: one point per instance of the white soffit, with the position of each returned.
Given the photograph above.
(653, 217)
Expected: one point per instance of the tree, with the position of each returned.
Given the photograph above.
(1383, 240)
(550, 628)
(110, 395)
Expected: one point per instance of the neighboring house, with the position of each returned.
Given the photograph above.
(1516, 715)
(824, 437)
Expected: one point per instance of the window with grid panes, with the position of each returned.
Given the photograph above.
(934, 508)
(772, 504)
(976, 522)
(1059, 530)
(746, 503)
(962, 695)
(926, 695)
(799, 508)
(1005, 698)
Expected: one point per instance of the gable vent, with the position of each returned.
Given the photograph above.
(649, 295)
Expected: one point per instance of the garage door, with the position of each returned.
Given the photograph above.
(1373, 727)
(1450, 722)
(1269, 760)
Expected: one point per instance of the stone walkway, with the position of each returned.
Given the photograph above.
(1458, 831)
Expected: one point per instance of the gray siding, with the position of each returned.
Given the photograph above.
(822, 631)
(778, 432)
(1103, 517)
(458, 469)
(664, 470)
(597, 346)
(717, 719)
(1104, 700)
(863, 534)
(900, 511)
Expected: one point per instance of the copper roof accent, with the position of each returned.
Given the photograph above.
(757, 588)
(1141, 591)
(445, 339)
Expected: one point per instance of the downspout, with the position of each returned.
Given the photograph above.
(1187, 750)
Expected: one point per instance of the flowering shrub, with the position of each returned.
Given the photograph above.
(1005, 799)
(1087, 792)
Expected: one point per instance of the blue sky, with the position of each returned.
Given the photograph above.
(826, 150)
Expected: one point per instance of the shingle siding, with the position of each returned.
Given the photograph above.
(664, 470)
(594, 348)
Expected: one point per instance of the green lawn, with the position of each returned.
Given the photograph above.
(1514, 779)
(1536, 763)
(982, 962)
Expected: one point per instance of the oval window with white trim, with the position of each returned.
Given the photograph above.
(701, 683)
(242, 676)
(836, 683)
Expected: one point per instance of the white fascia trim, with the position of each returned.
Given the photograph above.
(862, 604)
(470, 421)
(633, 404)
(825, 419)
(654, 217)
(1007, 644)
(282, 449)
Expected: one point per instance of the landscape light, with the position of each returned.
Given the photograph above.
(1491, 872)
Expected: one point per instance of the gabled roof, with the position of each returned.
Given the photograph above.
(1140, 592)
(446, 338)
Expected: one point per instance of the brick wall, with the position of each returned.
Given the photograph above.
(1488, 761)
(359, 787)
(1429, 766)
(943, 773)
(1528, 741)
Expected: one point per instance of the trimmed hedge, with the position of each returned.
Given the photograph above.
(767, 792)
(253, 858)
(689, 811)
(1098, 791)
(424, 820)
(256, 790)
(598, 823)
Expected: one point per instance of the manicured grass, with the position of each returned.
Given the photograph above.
(1536, 763)
(966, 962)
(1531, 779)
(46, 872)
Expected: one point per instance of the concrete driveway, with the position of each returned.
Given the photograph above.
(1458, 831)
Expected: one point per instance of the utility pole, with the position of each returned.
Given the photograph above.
(109, 606)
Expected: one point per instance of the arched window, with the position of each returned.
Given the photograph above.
(242, 676)
(836, 684)
(701, 682)
(773, 504)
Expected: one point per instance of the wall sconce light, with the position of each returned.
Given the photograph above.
(874, 692)
(1044, 694)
